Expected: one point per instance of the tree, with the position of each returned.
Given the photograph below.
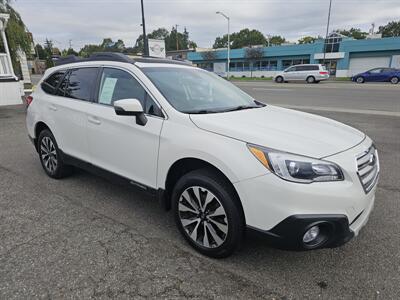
(48, 49)
(307, 40)
(253, 54)
(277, 40)
(69, 51)
(40, 53)
(355, 33)
(17, 37)
(243, 38)
(390, 29)
(107, 45)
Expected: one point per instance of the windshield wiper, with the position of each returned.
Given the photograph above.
(242, 107)
(202, 111)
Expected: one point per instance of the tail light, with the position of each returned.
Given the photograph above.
(28, 100)
(323, 73)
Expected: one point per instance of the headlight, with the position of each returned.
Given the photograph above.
(296, 168)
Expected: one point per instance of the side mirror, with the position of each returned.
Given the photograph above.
(131, 107)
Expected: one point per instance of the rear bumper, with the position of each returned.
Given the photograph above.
(288, 234)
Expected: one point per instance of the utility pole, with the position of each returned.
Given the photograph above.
(327, 29)
(70, 44)
(177, 43)
(145, 45)
(229, 40)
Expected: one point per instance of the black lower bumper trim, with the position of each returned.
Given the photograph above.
(288, 234)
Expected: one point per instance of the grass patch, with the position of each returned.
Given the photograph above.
(342, 79)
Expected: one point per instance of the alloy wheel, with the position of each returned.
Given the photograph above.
(48, 154)
(360, 80)
(394, 80)
(203, 217)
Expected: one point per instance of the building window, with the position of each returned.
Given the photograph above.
(332, 42)
(206, 66)
(286, 63)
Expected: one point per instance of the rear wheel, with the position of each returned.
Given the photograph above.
(310, 79)
(207, 213)
(50, 156)
(360, 79)
(394, 80)
(279, 79)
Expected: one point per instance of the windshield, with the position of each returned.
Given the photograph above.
(192, 90)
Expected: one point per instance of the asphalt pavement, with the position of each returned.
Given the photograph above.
(85, 237)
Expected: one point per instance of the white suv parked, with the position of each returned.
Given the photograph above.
(308, 73)
(223, 161)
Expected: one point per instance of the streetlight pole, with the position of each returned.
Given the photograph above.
(177, 43)
(229, 40)
(327, 29)
(145, 45)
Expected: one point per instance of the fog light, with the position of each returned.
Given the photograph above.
(311, 234)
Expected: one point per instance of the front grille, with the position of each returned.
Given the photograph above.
(368, 168)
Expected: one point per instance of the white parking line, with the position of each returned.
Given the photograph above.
(345, 110)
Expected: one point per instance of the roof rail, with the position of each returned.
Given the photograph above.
(98, 56)
(113, 56)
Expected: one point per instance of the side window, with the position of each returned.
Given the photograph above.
(117, 84)
(51, 83)
(81, 83)
(375, 71)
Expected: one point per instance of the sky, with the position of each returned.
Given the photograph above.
(89, 21)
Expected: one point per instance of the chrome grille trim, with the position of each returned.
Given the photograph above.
(368, 168)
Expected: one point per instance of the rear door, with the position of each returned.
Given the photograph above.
(117, 143)
(70, 104)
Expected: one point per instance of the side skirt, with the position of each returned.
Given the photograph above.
(118, 179)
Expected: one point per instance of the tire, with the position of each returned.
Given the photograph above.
(360, 79)
(50, 156)
(310, 79)
(394, 80)
(214, 225)
(279, 79)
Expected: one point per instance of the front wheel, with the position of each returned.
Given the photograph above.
(360, 79)
(207, 213)
(394, 80)
(279, 79)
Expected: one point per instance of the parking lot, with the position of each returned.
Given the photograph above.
(85, 237)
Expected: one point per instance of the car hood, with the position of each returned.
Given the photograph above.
(282, 129)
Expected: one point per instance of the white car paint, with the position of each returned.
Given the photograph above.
(94, 133)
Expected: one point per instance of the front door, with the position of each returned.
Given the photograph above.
(117, 143)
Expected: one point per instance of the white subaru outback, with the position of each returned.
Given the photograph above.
(223, 161)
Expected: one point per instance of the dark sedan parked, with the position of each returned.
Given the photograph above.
(378, 75)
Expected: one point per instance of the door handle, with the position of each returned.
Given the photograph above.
(94, 120)
(52, 107)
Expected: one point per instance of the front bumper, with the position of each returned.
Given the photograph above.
(288, 234)
(284, 210)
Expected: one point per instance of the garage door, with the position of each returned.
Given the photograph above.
(362, 64)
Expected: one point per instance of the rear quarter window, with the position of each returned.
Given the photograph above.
(50, 84)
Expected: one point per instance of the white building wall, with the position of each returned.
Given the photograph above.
(11, 92)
